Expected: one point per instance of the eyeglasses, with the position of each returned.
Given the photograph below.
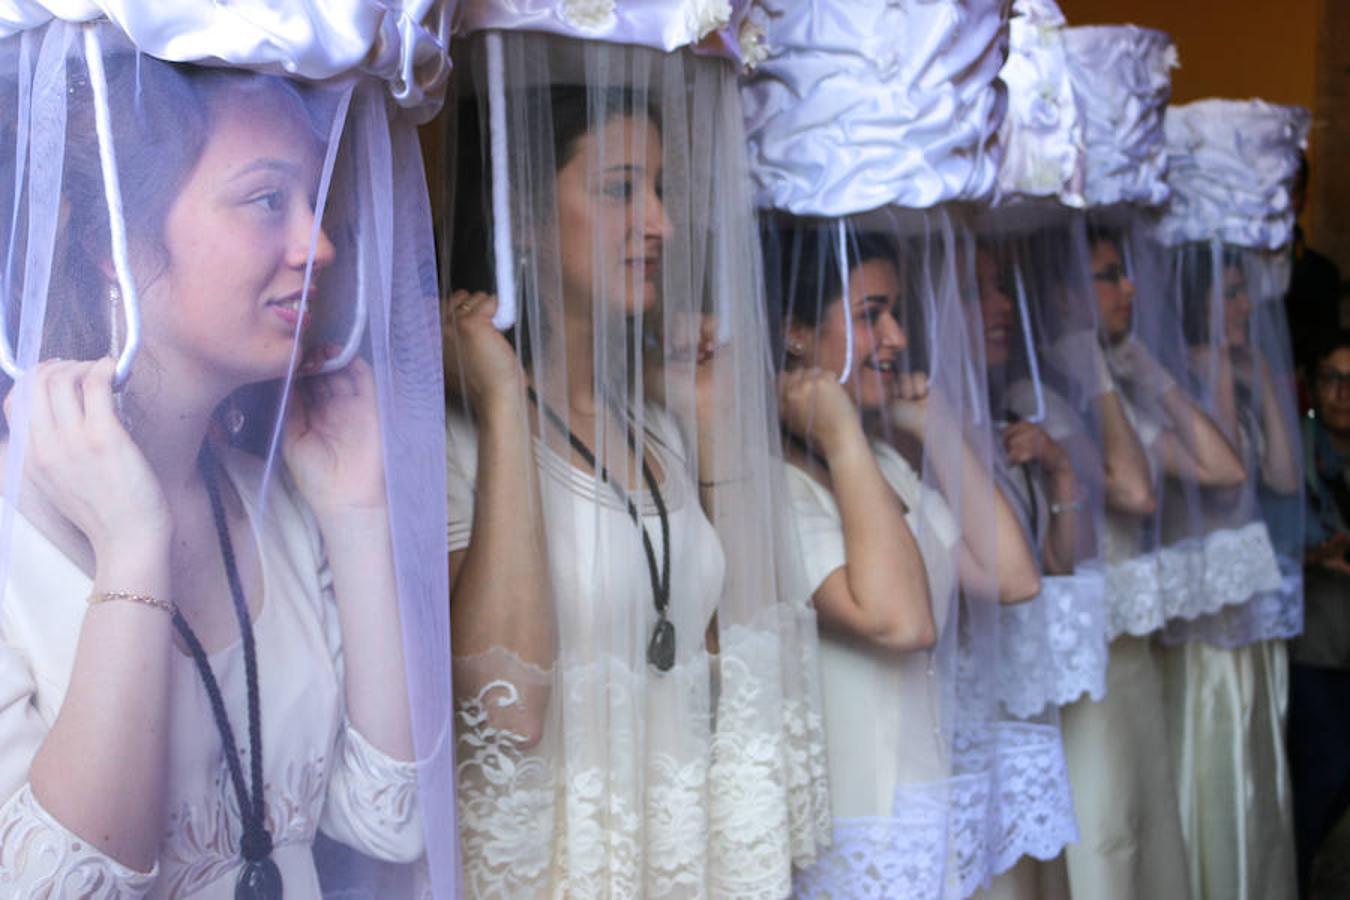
(1332, 380)
(1110, 275)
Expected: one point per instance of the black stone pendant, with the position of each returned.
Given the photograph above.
(661, 648)
(260, 880)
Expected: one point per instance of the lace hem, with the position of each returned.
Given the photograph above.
(950, 838)
(1054, 649)
(880, 858)
(601, 806)
(750, 853)
(1134, 600)
(40, 859)
(809, 821)
(1272, 615)
(1190, 579)
(1014, 800)
(1228, 568)
(1035, 802)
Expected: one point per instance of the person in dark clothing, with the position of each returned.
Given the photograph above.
(1319, 707)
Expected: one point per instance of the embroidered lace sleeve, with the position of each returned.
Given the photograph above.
(372, 800)
(39, 857)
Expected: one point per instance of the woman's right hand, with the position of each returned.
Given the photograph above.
(478, 359)
(814, 406)
(83, 462)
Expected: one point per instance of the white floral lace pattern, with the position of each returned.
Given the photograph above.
(1231, 566)
(606, 809)
(1270, 615)
(750, 853)
(41, 860)
(949, 838)
(810, 823)
(904, 855)
(1134, 596)
(1035, 803)
(1191, 578)
(1054, 649)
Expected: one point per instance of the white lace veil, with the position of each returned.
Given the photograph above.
(1122, 76)
(1232, 166)
(599, 204)
(1032, 308)
(863, 154)
(250, 232)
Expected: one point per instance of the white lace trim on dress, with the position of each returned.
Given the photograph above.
(1054, 648)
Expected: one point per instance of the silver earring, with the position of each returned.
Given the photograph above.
(795, 348)
(233, 419)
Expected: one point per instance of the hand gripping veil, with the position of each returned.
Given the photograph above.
(218, 254)
(635, 698)
(869, 128)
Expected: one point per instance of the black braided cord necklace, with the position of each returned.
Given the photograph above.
(661, 646)
(260, 878)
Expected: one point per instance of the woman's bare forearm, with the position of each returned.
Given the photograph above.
(1129, 482)
(102, 768)
(884, 594)
(500, 583)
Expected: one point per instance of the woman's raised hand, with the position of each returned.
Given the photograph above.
(814, 406)
(331, 442)
(83, 462)
(1027, 442)
(478, 359)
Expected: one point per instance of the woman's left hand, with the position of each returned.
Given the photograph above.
(331, 440)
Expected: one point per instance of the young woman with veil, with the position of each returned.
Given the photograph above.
(1233, 165)
(202, 657)
(906, 542)
(1048, 400)
(634, 702)
(1124, 786)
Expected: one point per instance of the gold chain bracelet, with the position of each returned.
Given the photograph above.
(144, 599)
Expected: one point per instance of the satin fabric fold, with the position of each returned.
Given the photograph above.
(1042, 134)
(1226, 711)
(873, 103)
(1231, 165)
(399, 41)
(1122, 75)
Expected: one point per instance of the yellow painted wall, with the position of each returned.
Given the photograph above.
(1238, 49)
(1229, 48)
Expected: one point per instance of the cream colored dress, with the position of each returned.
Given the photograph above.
(1226, 709)
(891, 794)
(1124, 790)
(320, 773)
(639, 783)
